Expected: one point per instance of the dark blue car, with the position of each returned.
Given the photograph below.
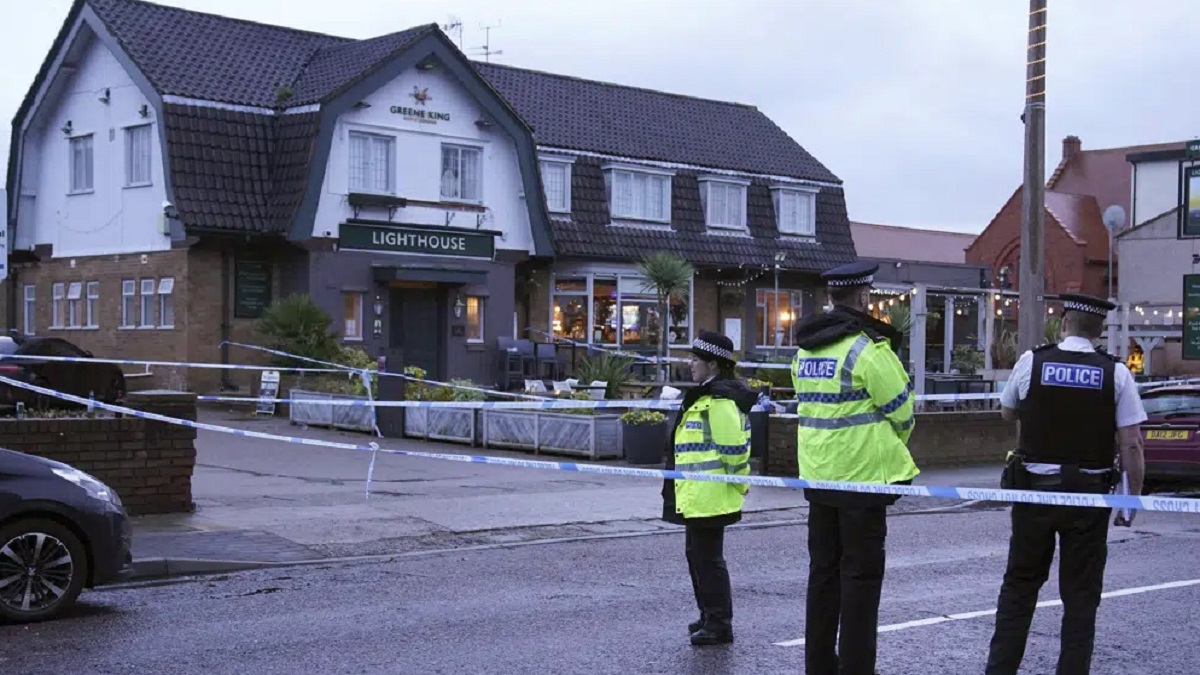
(61, 531)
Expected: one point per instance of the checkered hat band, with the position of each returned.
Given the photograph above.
(712, 349)
(853, 281)
(1083, 307)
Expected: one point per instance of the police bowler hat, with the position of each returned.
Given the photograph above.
(712, 346)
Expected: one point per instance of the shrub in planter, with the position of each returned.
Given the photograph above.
(575, 396)
(644, 436)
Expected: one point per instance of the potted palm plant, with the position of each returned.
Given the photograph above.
(669, 277)
(644, 436)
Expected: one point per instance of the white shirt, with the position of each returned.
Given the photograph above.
(1129, 402)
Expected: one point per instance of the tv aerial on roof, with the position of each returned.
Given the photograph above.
(486, 50)
(454, 25)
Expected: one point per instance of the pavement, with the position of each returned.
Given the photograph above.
(262, 502)
(616, 606)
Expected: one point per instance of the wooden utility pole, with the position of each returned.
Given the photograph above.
(1033, 241)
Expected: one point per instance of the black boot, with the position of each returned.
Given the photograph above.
(708, 636)
(695, 625)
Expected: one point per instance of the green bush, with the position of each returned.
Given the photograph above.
(643, 416)
(966, 359)
(297, 325)
(575, 396)
(606, 367)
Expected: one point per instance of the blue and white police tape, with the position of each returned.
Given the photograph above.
(1167, 504)
(653, 359)
(165, 364)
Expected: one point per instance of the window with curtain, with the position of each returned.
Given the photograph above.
(796, 212)
(93, 301)
(82, 172)
(462, 169)
(724, 204)
(58, 304)
(474, 313)
(137, 156)
(352, 316)
(556, 181)
(639, 196)
(149, 303)
(372, 163)
(128, 303)
(75, 305)
(166, 302)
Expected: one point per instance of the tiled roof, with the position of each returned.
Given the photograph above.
(333, 69)
(568, 112)
(891, 242)
(588, 233)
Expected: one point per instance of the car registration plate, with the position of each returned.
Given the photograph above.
(1166, 434)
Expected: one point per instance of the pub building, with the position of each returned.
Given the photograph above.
(437, 208)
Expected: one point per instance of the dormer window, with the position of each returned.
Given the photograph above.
(638, 193)
(796, 210)
(724, 201)
(556, 181)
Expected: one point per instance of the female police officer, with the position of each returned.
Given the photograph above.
(711, 436)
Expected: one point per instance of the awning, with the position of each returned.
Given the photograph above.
(385, 274)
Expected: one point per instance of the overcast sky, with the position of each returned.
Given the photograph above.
(915, 104)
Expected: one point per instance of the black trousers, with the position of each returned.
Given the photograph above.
(1083, 541)
(845, 579)
(705, 548)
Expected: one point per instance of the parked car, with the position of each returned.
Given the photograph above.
(61, 531)
(104, 381)
(1172, 436)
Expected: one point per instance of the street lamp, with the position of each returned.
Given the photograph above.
(779, 258)
(1114, 219)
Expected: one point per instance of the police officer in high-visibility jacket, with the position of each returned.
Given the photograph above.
(1078, 410)
(855, 415)
(712, 435)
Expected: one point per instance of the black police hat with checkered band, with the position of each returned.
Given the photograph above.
(858, 273)
(1088, 304)
(712, 346)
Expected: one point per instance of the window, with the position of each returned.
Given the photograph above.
(796, 211)
(166, 302)
(81, 164)
(128, 303)
(352, 315)
(724, 204)
(93, 299)
(621, 311)
(75, 305)
(556, 180)
(148, 304)
(639, 195)
(474, 318)
(137, 156)
(777, 313)
(58, 299)
(30, 309)
(461, 169)
(372, 163)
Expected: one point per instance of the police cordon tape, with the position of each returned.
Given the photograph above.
(539, 403)
(1165, 504)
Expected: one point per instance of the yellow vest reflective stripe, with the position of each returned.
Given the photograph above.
(712, 438)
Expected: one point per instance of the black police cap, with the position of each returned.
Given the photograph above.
(858, 273)
(1089, 304)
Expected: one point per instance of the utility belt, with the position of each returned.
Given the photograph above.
(1070, 478)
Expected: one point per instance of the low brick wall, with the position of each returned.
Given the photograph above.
(938, 440)
(148, 463)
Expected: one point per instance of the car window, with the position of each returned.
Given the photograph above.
(1166, 404)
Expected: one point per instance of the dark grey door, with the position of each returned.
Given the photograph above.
(417, 330)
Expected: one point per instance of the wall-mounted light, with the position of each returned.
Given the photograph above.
(483, 123)
(362, 105)
(426, 64)
(105, 97)
(144, 111)
(459, 305)
(378, 306)
(67, 128)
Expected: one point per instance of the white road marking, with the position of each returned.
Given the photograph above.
(933, 620)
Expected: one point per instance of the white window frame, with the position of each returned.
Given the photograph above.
(166, 299)
(551, 165)
(796, 300)
(359, 333)
(806, 205)
(85, 184)
(92, 319)
(149, 305)
(58, 298)
(129, 303)
(75, 304)
(716, 192)
(365, 180)
(629, 283)
(639, 178)
(138, 153)
(482, 304)
(452, 187)
(29, 320)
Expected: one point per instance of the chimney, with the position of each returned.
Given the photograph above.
(1071, 147)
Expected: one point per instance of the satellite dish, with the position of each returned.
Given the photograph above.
(1114, 217)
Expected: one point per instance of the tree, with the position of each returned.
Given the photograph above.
(669, 277)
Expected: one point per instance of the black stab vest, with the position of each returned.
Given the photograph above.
(1070, 413)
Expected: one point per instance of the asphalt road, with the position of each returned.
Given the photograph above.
(612, 606)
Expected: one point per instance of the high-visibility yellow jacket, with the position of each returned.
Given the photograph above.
(855, 409)
(712, 437)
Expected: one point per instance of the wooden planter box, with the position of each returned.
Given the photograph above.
(456, 425)
(351, 418)
(590, 436)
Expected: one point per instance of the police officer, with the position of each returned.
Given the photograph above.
(855, 415)
(712, 435)
(1072, 401)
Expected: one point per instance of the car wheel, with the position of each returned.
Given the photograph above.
(43, 567)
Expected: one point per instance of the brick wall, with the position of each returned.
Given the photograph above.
(938, 440)
(148, 463)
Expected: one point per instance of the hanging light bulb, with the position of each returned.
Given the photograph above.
(1049, 310)
(870, 306)
(999, 312)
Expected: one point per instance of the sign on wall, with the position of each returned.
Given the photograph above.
(393, 239)
(251, 288)
(421, 98)
(1191, 200)
(1191, 317)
